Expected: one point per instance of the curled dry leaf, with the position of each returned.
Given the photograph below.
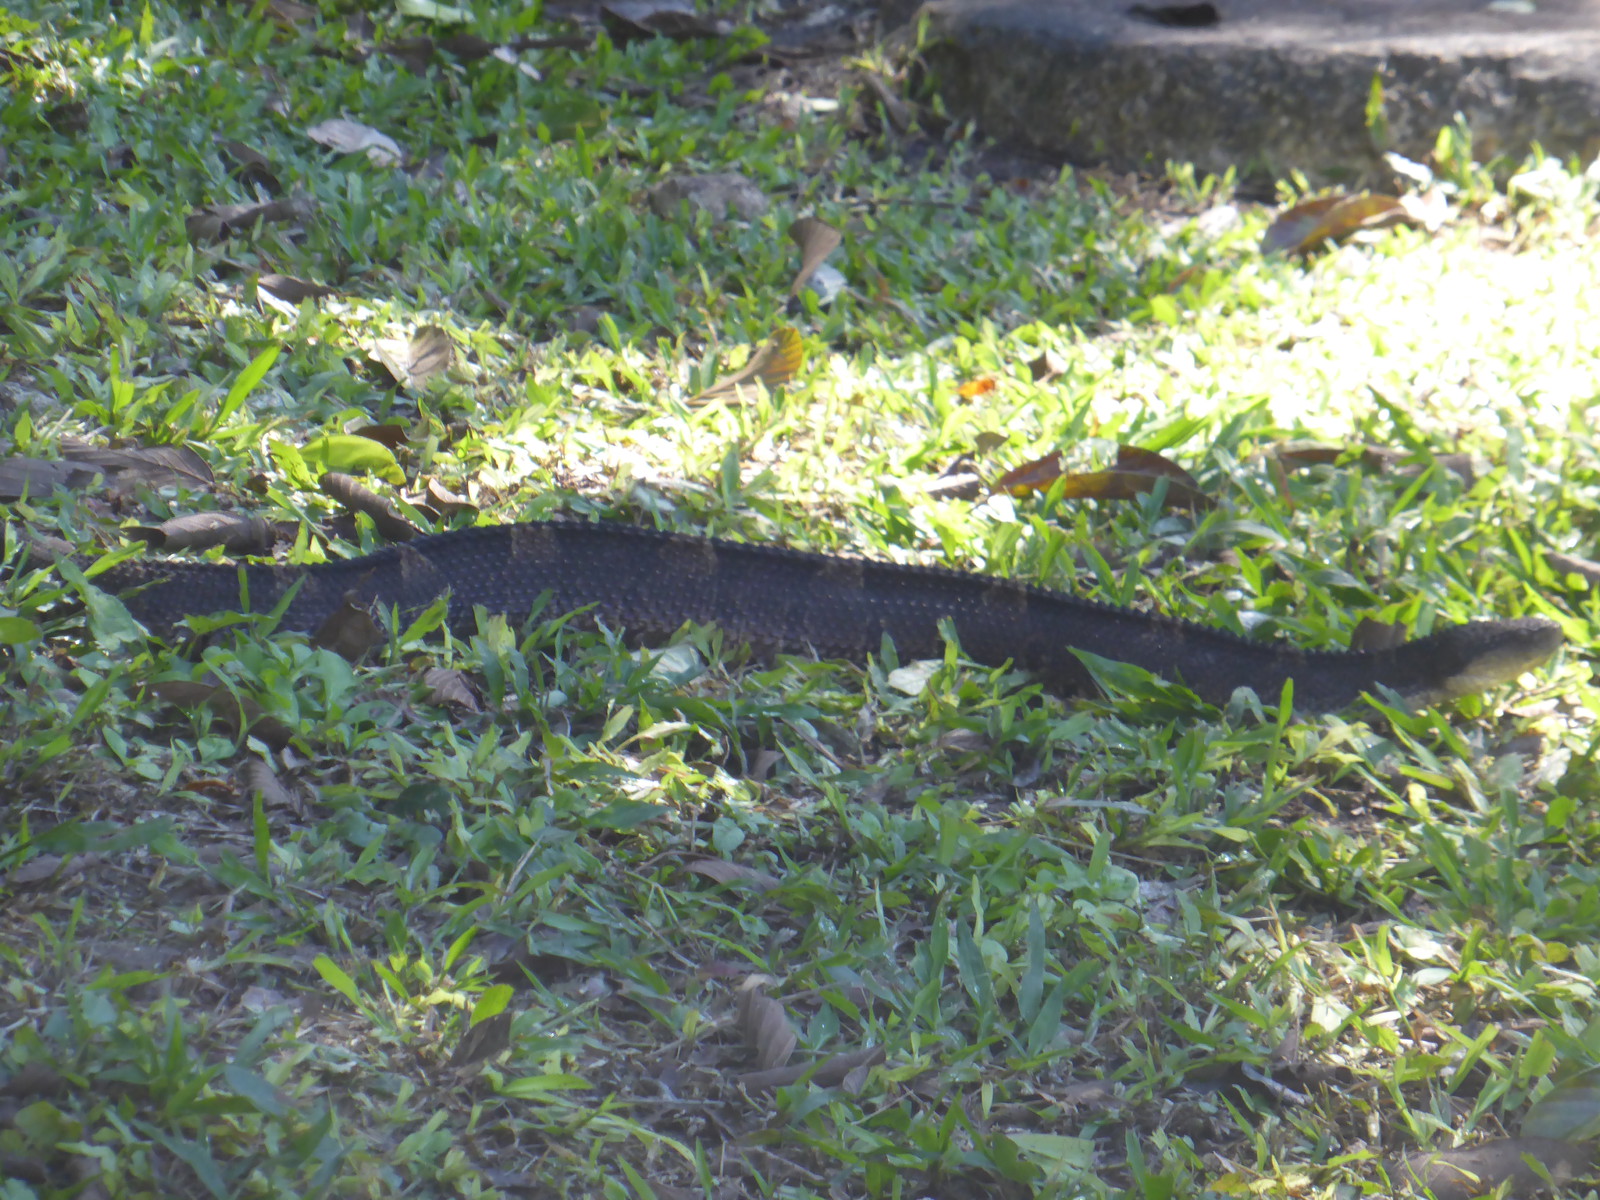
(154, 466)
(1405, 463)
(1135, 474)
(1376, 635)
(36, 478)
(386, 515)
(236, 713)
(450, 687)
(291, 290)
(773, 365)
(352, 137)
(722, 871)
(446, 501)
(627, 21)
(816, 240)
(215, 222)
(257, 775)
(1570, 564)
(765, 1027)
(235, 532)
(483, 1040)
(840, 1070)
(1309, 225)
(391, 434)
(350, 632)
(412, 362)
(250, 166)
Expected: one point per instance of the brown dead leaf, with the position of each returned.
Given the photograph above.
(391, 434)
(765, 1026)
(352, 137)
(1312, 223)
(483, 1040)
(722, 871)
(412, 362)
(816, 240)
(214, 222)
(628, 21)
(1376, 635)
(1570, 564)
(350, 632)
(772, 366)
(36, 478)
(386, 515)
(291, 12)
(446, 501)
(250, 166)
(236, 532)
(1049, 365)
(235, 713)
(450, 687)
(1477, 1170)
(291, 290)
(126, 467)
(257, 775)
(1296, 456)
(414, 53)
(41, 868)
(1135, 474)
(840, 1070)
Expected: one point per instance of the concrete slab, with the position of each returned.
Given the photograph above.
(1276, 84)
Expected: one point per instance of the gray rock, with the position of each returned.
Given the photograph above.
(1276, 84)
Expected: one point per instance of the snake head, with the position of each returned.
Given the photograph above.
(1462, 659)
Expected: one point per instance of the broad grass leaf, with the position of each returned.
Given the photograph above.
(491, 1003)
(14, 631)
(349, 454)
(337, 978)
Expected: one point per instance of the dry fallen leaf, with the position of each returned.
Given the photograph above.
(765, 1026)
(236, 532)
(1135, 474)
(1311, 224)
(217, 221)
(386, 515)
(291, 290)
(352, 137)
(816, 240)
(773, 365)
(722, 871)
(450, 687)
(350, 632)
(412, 362)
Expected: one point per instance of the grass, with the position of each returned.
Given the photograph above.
(543, 935)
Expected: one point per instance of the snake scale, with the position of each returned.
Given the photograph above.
(649, 583)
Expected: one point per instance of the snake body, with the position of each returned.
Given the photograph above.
(649, 583)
